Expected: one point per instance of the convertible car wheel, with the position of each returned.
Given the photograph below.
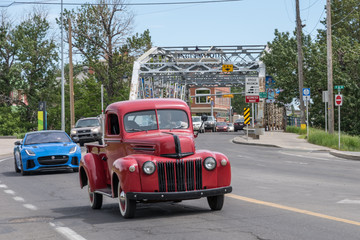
(17, 160)
(96, 199)
(127, 206)
(216, 202)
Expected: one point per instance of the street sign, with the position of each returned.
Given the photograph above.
(227, 68)
(325, 96)
(339, 87)
(247, 115)
(228, 95)
(306, 94)
(338, 100)
(262, 94)
(252, 99)
(252, 86)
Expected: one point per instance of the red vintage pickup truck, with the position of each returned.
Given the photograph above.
(149, 155)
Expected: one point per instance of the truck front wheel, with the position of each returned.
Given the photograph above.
(127, 206)
(96, 199)
(216, 202)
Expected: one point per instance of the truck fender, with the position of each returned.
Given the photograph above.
(224, 172)
(92, 165)
(129, 181)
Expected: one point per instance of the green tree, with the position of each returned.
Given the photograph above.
(102, 34)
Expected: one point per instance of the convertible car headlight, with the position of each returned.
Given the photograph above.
(210, 163)
(73, 149)
(29, 152)
(149, 167)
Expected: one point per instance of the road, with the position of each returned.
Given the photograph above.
(277, 194)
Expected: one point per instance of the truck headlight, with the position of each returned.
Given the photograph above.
(210, 163)
(149, 167)
(73, 132)
(29, 152)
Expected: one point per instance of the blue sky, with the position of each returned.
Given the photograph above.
(229, 23)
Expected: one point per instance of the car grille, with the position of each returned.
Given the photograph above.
(53, 160)
(84, 131)
(182, 175)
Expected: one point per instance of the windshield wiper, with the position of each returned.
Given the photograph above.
(134, 130)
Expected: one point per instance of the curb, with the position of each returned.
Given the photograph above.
(257, 144)
(346, 156)
(8, 137)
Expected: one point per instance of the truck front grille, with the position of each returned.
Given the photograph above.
(179, 176)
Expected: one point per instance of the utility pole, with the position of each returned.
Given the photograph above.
(329, 67)
(62, 71)
(300, 62)
(71, 79)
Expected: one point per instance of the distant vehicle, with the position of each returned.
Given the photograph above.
(221, 127)
(87, 130)
(210, 123)
(46, 151)
(197, 124)
(230, 127)
(239, 125)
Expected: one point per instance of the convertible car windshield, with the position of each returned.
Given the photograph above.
(46, 137)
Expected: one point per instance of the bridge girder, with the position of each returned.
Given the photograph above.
(169, 71)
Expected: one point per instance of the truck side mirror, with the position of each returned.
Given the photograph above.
(204, 118)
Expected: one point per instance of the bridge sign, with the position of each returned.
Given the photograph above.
(227, 68)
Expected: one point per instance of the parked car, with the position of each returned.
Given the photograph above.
(146, 159)
(230, 127)
(239, 125)
(210, 123)
(46, 150)
(221, 127)
(198, 124)
(87, 130)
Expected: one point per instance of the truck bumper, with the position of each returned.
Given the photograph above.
(173, 196)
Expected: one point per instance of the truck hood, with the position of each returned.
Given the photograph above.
(165, 144)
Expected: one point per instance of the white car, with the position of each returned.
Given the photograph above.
(230, 127)
(197, 124)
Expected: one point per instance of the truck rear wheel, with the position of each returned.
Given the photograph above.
(127, 206)
(216, 202)
(96, 199)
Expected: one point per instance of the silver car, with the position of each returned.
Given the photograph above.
(197, 124)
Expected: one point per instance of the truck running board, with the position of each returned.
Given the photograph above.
(104, 191)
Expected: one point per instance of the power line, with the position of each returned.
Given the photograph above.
(126, 4)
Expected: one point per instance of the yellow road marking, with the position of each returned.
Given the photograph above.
(297, 210)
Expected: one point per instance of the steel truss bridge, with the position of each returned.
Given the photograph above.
(168, 72)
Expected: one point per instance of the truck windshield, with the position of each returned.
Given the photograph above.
(87, 123)
(172, 119)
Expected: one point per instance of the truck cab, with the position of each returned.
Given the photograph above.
(149, 155)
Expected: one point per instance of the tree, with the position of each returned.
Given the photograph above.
(102, 34)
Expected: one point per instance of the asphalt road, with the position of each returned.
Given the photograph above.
(277, 194)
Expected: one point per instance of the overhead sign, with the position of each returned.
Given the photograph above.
(338, 100)
(247, 115)
(306, 94)
(227, 68)
(228, 96)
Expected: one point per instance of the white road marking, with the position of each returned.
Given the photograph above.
(66, 232)
(9, 191)
(19, 199)
(349, 201)
(5, 159)
(3, 186)
(30, 206)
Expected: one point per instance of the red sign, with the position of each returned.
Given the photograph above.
(338, 100)
(252, 99)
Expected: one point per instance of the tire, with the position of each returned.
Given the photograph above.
(76, 169)
(96, 199)
(81, 144)
(216, 202)
(23, 172)
(127, 207)
(17, 161)
(100, 142)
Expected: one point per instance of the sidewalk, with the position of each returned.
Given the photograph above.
(282, 139)
(7, 145)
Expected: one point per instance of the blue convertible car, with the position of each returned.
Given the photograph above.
(45, 151)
